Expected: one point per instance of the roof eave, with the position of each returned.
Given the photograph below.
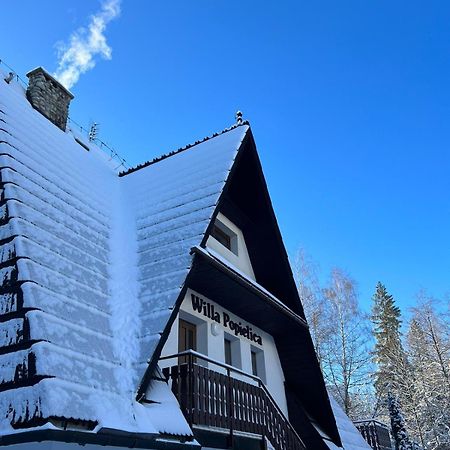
(103, 437)
(252, 286)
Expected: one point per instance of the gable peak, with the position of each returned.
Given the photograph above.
(182, 149)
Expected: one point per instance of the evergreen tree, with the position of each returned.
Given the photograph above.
(389, 354)
(399, 433)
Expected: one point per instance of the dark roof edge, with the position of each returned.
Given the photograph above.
(269, 298)
(111, 438)
(181, 149)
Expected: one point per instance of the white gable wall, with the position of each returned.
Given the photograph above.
(210, 341)
(242, 259)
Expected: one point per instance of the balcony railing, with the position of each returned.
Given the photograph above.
(375, 433)
(219, 400)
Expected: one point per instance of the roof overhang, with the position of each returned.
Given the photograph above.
(105, 437)
(275, 305)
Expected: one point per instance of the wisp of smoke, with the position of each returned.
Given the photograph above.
(78, 56)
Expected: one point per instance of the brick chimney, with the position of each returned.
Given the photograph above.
(49, 97)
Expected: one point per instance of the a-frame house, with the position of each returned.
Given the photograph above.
(152, 308)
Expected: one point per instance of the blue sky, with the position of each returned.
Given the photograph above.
(349, 103)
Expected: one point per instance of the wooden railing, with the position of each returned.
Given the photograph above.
(375, 433)
(218, 399)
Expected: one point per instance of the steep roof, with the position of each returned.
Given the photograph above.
(84, 296)
(94, 267)
(173, 202)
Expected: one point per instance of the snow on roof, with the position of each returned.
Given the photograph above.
(173, 202)
(350, 436)
(92, 265)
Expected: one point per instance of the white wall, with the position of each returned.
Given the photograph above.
(242, 259)
(214, 345)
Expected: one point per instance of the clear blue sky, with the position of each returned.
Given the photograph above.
(349, 103)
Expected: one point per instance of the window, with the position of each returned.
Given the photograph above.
(258, 363)
(221, 236)
(187, 338)
(228, 238)
(227, 346)
(232, 350)
(254, 364)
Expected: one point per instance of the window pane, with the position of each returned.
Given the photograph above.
(221, 236)
(190, 340)
(254, 365)
(227, 344)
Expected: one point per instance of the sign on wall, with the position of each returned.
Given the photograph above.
(208, 310)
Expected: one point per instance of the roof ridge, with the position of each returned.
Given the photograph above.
(181, 149)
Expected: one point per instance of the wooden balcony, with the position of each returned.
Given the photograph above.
(375, 433)
(221, 400)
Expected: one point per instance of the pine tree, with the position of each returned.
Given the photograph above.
(399, 433)
(389, 354)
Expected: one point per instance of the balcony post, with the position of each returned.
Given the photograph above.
(263, 424)
(230, 405)
(190, 396)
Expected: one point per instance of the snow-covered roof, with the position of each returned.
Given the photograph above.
(92, 265)
(173, 202)
(350, 436)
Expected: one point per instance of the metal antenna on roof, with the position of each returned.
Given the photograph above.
(239, 117)
(93, 131)
(10, 77)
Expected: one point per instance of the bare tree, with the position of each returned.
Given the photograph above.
(346, 353)
(429, 353)
(436, 327)
(340, 333)
(311, 296)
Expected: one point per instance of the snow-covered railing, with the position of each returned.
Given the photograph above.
(15, 75)
(220, 399)
(101, 144)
